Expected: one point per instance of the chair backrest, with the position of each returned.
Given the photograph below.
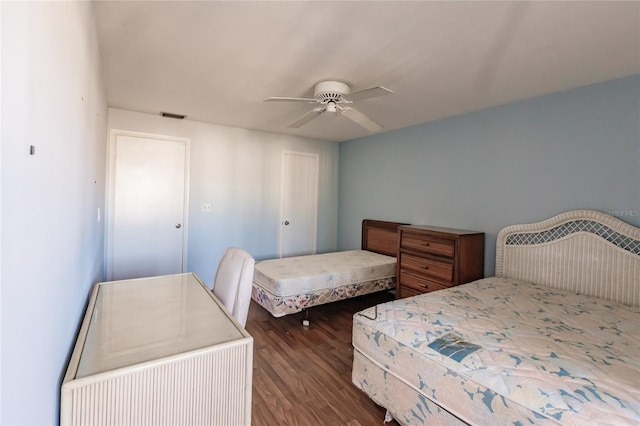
(233, 282)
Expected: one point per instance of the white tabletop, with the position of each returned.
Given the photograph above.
(145, 319)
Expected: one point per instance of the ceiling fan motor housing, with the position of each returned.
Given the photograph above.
(331, 91)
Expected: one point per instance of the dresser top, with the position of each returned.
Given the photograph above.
(451, 231)
(134, 321)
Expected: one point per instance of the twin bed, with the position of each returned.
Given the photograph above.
(553, 338)
(289, 285)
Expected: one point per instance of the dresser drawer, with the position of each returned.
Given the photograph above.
(404, 291)
(427, 266)
(418, 283)
(428, 245)
(435, 258)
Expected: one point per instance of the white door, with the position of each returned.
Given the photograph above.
(147, 206)
(299, 203)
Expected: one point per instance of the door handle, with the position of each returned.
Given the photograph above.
(179, 226)
(286, 222)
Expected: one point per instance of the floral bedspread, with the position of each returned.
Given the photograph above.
(500, 351)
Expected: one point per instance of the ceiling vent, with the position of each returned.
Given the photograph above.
(172, 115)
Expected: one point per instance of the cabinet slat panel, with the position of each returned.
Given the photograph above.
(209, 388)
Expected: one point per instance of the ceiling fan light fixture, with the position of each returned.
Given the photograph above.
(332, 95)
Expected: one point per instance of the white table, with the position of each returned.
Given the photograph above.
(159, 350)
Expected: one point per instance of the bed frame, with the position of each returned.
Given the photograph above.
(582, 251)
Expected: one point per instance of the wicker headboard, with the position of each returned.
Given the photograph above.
(583, 251)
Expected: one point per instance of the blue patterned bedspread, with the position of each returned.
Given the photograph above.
(499, 351)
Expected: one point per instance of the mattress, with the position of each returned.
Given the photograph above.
(288, 285)
(500, 351)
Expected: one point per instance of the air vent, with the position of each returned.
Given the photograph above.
(172, 115)
(330, 96)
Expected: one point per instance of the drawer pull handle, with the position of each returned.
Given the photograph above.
(425, 267)
(425, 244)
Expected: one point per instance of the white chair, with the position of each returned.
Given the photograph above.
(233, 282)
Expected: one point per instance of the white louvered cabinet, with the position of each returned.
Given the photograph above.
(158, 350)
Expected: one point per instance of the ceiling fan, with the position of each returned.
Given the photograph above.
(333, 96)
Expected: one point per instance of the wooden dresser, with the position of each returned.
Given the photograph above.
(432, 258)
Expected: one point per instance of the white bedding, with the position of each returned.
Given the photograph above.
(288, 285)
(294, 275)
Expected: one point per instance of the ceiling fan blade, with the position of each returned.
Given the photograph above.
(306, 118)
(372, 92)
(284, 99)
(361, 119)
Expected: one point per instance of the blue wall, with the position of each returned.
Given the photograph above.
(516, 163)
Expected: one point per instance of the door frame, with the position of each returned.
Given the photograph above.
(110, 201)
(316, 156)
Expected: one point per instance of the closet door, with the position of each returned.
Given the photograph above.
(147, 206)
(299, 203)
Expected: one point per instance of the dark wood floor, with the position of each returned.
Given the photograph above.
(302, 375)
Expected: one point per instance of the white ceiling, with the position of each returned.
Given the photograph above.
(217, 61)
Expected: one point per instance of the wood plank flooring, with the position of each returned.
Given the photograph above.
(302, 376)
